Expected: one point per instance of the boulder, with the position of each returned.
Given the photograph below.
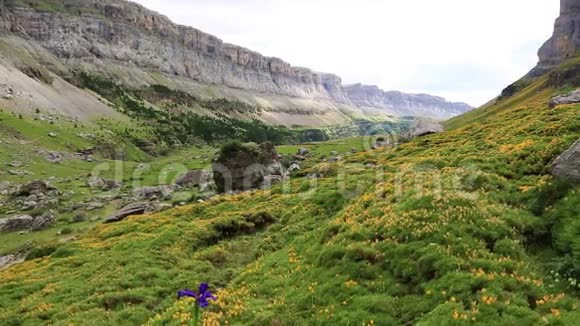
(99, 183)
(423, 126)
(9, 260)
(139, 208)
(16, 164)
(194, 178)
(303, 152)
(38, 187)
(268, 156)
(570, 98)
(26, 223)
(567, 165)
(271, 180)
(293, 167)
(154, 193)
(242, 167)
(54, 157)
(52, 134)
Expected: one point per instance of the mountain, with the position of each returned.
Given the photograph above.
(475, 225)
(130, 44)
(558, 69)
(401, 104)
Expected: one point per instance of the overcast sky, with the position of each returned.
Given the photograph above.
(463, 50)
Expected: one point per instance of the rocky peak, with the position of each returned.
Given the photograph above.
(565, 42)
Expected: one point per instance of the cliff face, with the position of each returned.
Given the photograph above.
(140, 47)
(402, 104)
(127, 32)
(565, 42)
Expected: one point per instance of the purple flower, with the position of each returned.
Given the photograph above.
(200, 297)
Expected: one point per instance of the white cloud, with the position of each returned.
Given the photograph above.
(474, 48)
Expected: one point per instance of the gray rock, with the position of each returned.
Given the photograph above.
(293, 167)
(567, 165)
(9, 260)
(334, 159)
(565, 41)
(271, 180)
(37, 188)
(53, 134)
(26, 223)
(133, 209)
(302, 151)
(154, 193)
(27, 205)
(245, 167)
(93, 206)
(16, 164)
(54, 157)
(18, 172)
(194, 178)
(422, 127)
(99, 183)
(570, 98)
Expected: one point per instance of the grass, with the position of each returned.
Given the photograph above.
(23, 137)
(447, 229)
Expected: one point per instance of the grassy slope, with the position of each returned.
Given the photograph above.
(22, 138)
(379, 255)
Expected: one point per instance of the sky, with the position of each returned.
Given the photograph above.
(463, 50)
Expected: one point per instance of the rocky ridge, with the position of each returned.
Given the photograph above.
(139, 47)
(402, 104)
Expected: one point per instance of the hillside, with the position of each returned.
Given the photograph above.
(129, 44)
(488, 240)
(475, 225)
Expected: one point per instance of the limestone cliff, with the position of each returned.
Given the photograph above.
(565, 42)
(402, 104)
(139, 47)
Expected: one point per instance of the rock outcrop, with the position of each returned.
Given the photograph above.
(401, 104)
(422, 127)
(567, 165)
(26, 223)
(194, 178)
(139, 208)
(565, 42)
(154, 193)
(242, 167)
(570, 98)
